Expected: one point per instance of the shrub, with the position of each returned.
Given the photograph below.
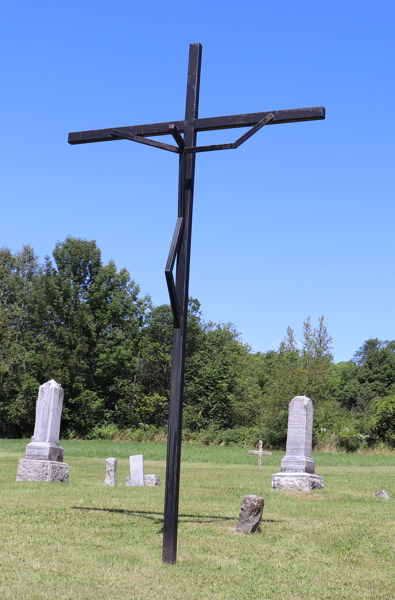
(383, 427)
(349, 439)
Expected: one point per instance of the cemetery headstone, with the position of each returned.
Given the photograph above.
(136, 473)
(110, 476)
(43, 459)
(136, 469)
(251, 511)
(297, 466)
(260, 453)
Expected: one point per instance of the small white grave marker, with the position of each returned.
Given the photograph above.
(136, 473)
(259, 454)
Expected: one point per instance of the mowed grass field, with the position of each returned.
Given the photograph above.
(87, 541)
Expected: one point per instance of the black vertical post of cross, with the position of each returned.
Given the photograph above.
(181, 244)
(185, 206)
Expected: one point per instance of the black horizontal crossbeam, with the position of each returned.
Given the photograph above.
(294, 115)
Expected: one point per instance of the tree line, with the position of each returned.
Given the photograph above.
(85, 324)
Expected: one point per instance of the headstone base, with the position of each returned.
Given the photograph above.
(297, 464)
(42, 470)
(149, 480)
(44, 451)
(297, 481)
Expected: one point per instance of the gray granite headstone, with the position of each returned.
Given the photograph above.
(110, 475)
(297, 466)
(43, 456)
(251, 511)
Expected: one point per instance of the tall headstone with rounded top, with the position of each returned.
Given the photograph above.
(297, 466)
(43, 456)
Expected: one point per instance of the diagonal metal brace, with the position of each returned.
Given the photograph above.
(232, 145)
(174, 248)
(137, 138)
(177, 136)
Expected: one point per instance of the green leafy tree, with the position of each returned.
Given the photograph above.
(18, 372)
(289, 342)
(212, 378)
(376, 372)
(384, 420)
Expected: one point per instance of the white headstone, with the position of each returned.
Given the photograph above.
(136, 473)
(136, 469)
(43, 456)
(45, 441)
(297, 466)
(299, 437)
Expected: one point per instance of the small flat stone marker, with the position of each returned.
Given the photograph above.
(151, 480)
(259, 454)
(383, 494)
(297, 466)
(251, 511)
(43, 456)
(110, 475)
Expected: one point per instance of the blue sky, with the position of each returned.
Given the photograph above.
(298, 221)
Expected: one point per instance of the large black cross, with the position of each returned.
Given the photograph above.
(181, 244)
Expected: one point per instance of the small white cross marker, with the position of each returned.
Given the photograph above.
(259, 454)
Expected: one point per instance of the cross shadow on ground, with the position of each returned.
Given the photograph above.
(157, 517)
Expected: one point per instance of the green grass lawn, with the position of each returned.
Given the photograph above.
(86, 541)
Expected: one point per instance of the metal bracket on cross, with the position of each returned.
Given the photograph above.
(118, 133)
(124, 135)
(179, 149)
(175, 245)
(233, 145)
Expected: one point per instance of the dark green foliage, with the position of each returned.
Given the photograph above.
(84, 324)
(384, 420)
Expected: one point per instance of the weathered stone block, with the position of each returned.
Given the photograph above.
(151, 479)
(42, 470)
(297, 481)
(251, 512)
(297, 464)
(110, 475)
(44, 451)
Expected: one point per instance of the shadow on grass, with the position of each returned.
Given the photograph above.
(148, 514)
